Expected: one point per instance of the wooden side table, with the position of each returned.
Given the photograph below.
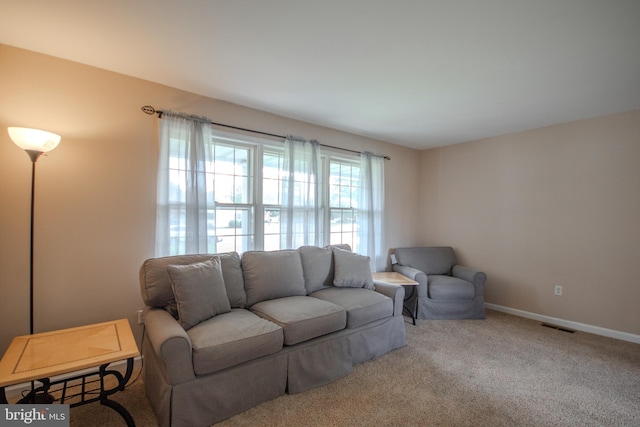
(39, 357)
(394, 278)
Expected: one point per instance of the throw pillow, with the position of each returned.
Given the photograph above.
(199, 291)
(351, 270)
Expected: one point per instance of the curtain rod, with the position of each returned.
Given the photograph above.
(148, 109)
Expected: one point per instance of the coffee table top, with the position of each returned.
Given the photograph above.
(393, 278)
(44, 355)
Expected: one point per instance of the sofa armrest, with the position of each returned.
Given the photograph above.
(395, 292)
(470, 275)
(170, 343)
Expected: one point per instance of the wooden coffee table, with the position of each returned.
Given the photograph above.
(394, 278)
(39, 357)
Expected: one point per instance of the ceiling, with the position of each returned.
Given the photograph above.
(419, 73)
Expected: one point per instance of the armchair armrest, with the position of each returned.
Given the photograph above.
(414, 274)
(170, 343)
(395, 292)
(470, 275)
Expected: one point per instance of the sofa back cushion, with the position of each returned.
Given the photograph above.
(431, 260)
(233, 279)
(272, 274)
(317, 265)
(155, 284)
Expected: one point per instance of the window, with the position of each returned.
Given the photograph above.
(243, 182)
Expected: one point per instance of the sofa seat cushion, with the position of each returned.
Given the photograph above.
(362, 305)
(302, 318)
(232, 338)
(447, 287)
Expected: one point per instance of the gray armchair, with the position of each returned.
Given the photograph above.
(446, 290)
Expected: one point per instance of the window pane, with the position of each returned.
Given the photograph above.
(232, 174)
(343, 184)
(344, 179)
(271, 192)
(233, 229)
(271, 228)
(272, 175)
(272, 163)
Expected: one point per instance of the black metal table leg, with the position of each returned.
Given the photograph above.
(122, 382)
(413, 313)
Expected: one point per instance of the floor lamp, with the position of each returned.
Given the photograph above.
(35, 142)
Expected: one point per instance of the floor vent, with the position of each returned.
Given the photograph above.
(560, 328)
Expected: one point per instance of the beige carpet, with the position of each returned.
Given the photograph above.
(502, 371)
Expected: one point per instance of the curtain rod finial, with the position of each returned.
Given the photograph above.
(148, 109)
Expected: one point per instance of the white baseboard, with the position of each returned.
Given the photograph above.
(15, 391)
(624, 336)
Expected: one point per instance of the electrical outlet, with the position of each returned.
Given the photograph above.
(140, 320)
(558, 290)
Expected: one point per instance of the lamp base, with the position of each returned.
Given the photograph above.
(37, 399)
(42, 399)
(38, 395)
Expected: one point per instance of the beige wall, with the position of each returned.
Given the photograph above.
(551, 206)
(95, 193)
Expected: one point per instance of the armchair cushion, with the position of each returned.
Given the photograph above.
(447, 287)
(199, 291)
(430, 260)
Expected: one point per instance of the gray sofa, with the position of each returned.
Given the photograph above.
(446, 290)
(224, 334)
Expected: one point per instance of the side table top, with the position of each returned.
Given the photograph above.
(44, 355)
(393, 278)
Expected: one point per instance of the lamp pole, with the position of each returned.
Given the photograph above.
(34, 158)
(34, 155)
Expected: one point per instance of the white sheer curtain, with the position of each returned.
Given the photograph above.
(184, 197)
(370, 208)
(300, 213)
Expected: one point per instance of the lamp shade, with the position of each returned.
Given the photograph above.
(34, 139)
